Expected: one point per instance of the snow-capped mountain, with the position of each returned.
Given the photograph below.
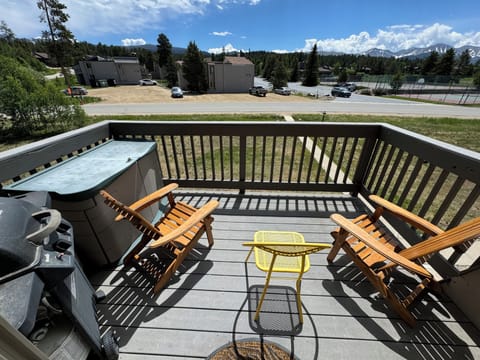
(424, 52)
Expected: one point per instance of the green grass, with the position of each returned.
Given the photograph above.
(427, 101)
(186, 117)
(460, 132)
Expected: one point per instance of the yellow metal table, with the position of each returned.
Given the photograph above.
(282, 251)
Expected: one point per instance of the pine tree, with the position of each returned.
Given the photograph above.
(194, 69)
(294, 73)
(445, 63)
(430, 63)
(464, 68)
(165, 60)
(164, 49)
(60, 38)
(172, 77)
(6, 33)
(311, 70)
(279, 75)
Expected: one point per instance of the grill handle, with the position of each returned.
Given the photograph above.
(52, 225)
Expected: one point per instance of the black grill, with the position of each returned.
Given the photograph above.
(38, 266)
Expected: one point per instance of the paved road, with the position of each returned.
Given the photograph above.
(356, 104)
(336, 106)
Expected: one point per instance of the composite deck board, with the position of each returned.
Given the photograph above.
(212, 300)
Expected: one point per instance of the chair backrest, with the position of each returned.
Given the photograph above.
(149, 230)
(134, 217)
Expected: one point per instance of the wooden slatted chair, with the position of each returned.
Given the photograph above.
(165, 244)
(377, 253)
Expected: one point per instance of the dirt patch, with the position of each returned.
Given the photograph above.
(156, 94)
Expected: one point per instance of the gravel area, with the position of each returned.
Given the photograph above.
(157, 94)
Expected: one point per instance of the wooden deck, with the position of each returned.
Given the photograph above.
(213, 300)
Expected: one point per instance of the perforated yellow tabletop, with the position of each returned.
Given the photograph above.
(291, 261)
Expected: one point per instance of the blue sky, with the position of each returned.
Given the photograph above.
(272, 25)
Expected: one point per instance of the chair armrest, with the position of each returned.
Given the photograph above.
(407, 216)
(372, 243)
(193, 220)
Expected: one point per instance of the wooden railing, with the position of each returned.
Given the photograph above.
(435, 180)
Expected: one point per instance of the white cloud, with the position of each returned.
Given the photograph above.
(221, 33)
(133, 42)
(109, 17)
(395, 38)
(100, 16)
(227, 48)
(222, 3)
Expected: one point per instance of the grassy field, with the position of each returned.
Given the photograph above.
(460, 132)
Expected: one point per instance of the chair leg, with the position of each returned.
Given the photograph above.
(127, 259)
(339, 237)
(208, 229)
(299, 287)
(164, 278)
(267, 282)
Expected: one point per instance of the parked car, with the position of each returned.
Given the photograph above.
(341, 92)
(350, 86)
(283, 91)
(177, 92)
(145, 82)
(75, 90)
(258, 90)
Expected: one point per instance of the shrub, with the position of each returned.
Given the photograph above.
(32, 105)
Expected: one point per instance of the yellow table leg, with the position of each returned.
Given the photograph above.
(267, 281)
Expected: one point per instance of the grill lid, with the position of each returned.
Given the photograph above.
(17, 254)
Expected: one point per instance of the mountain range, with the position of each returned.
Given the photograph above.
(411, 53)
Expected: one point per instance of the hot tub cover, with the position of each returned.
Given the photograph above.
(88, 172)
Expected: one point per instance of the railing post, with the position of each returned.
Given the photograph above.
(243, 163)
(364, 163)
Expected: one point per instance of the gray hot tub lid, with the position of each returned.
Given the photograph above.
(86, 173)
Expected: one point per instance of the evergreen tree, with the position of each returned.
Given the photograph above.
(279, 75)
(164, 49)
(60, 38)
(269, 66)
(194, 69)
(343, 76)
(294, 72)
(311, 69)
(476, 79)
(6, 33)
(464, 68)
(396, 82)
(430, 63)
(445, 63)
(172, 77)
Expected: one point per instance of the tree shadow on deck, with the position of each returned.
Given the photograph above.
(276, 204)
(131, 301)
(432, 338)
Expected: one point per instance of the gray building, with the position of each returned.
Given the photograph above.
(234, 74)
(121, 70)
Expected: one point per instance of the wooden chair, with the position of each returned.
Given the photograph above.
(169, 240)
(377, 253)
